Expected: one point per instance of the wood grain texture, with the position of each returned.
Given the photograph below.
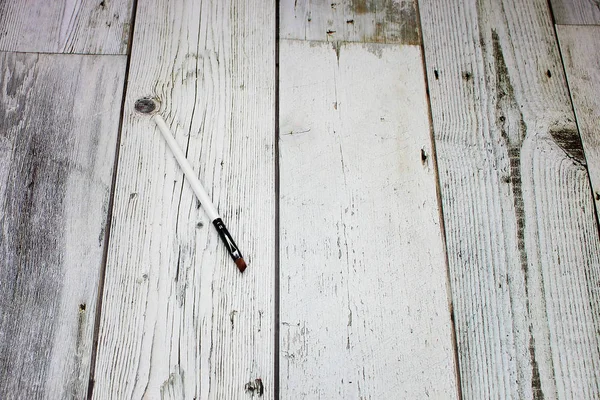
(65, 26)
(576, 12)
(364, 301)
(379, 21)
(57, 143)
(521, 234)
(580, 47)
(179, 320)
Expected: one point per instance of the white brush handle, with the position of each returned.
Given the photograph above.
(189, 173)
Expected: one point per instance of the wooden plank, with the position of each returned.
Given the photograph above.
(521, 234)
(379, 21)
(65, 26)
(576, 12)
(364, 301)
(580, 47)
(58, 129)
(179, 320)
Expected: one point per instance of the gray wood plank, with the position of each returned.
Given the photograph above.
(521, 234)
(367, 21)
(65, 26)
(576, 12)
(59, 120)
(580, 47)
(364, 300)
(179, 320)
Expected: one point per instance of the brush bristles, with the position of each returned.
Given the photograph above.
(241, 264)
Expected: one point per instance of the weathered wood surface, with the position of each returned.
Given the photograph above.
(576, 12)
(364, 301)
(580, 47)
(65, 26)
(521, 233)
(380, 21)
(58, 130)
(179, 320)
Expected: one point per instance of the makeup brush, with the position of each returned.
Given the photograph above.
(150, 107)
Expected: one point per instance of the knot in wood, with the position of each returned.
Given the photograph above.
(146, 105)
(255, 387)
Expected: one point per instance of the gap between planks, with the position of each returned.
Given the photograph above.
(441, 207)
(100, 294)
(277, 192)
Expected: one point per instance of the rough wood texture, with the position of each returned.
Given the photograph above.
(364, 301)
(57, 143)
(381, 21)
(65, 26)
(521, 233)
(580, 47)
(179, 320)
(576, 12)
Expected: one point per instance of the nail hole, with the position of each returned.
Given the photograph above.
(423, 156)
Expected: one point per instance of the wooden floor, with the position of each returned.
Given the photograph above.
(414, 186)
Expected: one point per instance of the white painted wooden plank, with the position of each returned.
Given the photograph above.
(364, 301)
(381, 21)
(580, 47)
(65, 26)
(179, 320)
(58, 129)
(576, 12)
(521, 234)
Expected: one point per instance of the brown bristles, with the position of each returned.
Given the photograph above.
(241, 264)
